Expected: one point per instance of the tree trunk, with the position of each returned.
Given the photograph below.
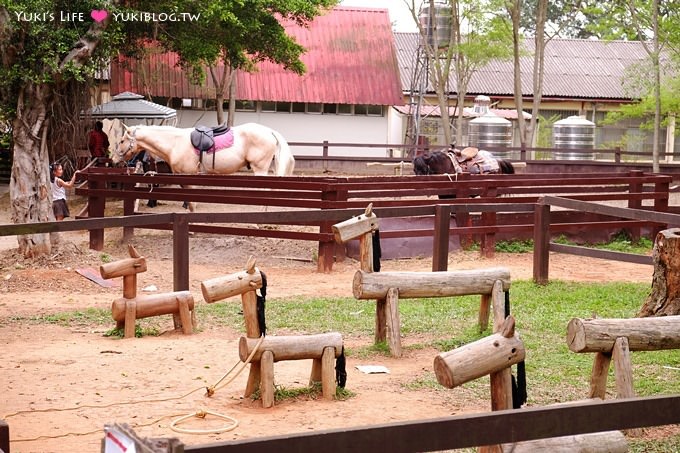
(664, 299)
(232, 98)
(29, 187)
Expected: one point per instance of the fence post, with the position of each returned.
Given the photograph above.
(180, 252)
(635, 187)
(488, 240)
(617, 154)
(324, 155)
(128, 210)
(541, 242)
(4, 436)
(96, 207)
(440, 241)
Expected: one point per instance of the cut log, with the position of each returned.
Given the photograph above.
(293, 347)
(664, 299)
(479, 358)
(375, 285)
(127, 266)
(644, 334)
(605, 442)
(152, 305)
(220, 288)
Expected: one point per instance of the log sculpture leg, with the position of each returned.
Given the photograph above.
(393, 322)
(130, 318)
(267, 378)
(598, 377)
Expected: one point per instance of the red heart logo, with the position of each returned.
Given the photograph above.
(99, 14)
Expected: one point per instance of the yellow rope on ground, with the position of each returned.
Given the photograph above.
(210, 392)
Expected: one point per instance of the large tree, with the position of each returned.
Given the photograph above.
(541, 20)
(656, 24)
(48, 46)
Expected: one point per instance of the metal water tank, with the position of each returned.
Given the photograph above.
(574, 132)
(436, 23)
(490, 130)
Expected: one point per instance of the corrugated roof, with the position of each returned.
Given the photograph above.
(574, 69)
(350, 59)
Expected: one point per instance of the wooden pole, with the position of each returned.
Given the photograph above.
(501, 380)
(267, 379)
(328, 387)
(541, 242)
(393, 322)
(598, 376)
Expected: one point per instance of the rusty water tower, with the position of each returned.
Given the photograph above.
(574, 132)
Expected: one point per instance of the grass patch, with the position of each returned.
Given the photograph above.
(311, 392)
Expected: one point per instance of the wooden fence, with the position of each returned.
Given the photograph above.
(502, 208)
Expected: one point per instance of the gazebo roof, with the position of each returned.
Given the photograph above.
(127, 105)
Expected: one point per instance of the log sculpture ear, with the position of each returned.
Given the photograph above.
(127, 129)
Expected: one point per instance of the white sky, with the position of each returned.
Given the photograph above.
(400, 16)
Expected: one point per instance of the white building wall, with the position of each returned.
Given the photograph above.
(314, 128)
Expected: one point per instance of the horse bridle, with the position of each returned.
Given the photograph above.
(133, 142)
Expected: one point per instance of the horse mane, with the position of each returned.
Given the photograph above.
(431, 163)
(506, 167)
(420, 166)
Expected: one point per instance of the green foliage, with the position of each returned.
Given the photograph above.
(76, 318)
(106, 258)
(526, 246)
(621, 242)
(139, 332)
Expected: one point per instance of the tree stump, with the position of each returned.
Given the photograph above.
(664, 298)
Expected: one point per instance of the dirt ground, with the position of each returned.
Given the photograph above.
(66, 383)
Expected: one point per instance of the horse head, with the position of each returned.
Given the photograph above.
(127, 147)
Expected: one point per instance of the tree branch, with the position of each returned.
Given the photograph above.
(83, 49)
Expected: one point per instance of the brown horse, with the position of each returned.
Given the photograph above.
(469, 160)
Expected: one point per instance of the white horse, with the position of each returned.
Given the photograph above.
(249, 145)
(254, 145)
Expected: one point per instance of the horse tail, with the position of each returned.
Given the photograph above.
(506, 167)
(284, 161)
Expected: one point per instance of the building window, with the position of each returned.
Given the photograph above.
(344, 109)
(330, 109)
(268, 106)
(369, 110)
(314, 107)
(283, 107)
(244, 106)
(298, 107)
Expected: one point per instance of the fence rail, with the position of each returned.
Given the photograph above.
(510, 197)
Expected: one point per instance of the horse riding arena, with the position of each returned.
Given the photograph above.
(51, 369)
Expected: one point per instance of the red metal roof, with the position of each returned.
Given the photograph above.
(350, 59)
